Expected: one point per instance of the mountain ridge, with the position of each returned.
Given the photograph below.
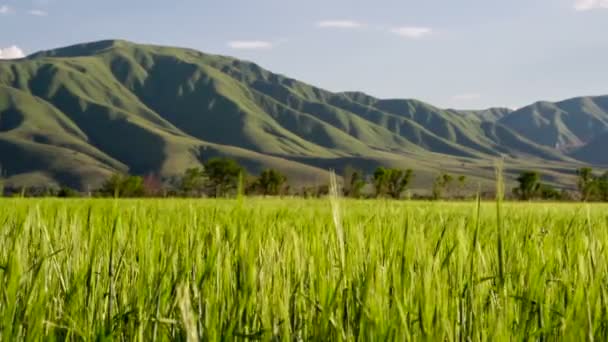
(116, 106)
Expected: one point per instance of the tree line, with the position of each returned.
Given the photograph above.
(224, 177)
(589, 185)
(219, 177)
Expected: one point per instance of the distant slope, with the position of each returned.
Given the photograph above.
(594, 152)
(74, 115)
(490, 114)
(562, 125)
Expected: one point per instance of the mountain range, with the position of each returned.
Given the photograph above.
(75, 115)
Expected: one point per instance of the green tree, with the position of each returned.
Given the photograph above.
(112, 186)
(381, 180)
(400, 180)
(529, 185)
(462, 184)
(548, 192)
(67, 192)
(441, 185)
(192, 182)
(123, 185)
(586, 183)
(392, 182)
(602, 185)
(133, 186)
(223, 175)
(354, 182)
(271, 182)
(397, 181)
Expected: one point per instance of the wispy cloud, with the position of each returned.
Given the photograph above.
(587, 5)
(250, 45)
(412, 32)
(466, 97)
(38, 13)
(340, 24)
(11, 52)
(4, 9)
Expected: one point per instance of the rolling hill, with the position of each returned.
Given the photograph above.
(77, 114)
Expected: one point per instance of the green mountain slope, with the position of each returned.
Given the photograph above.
(76, 114)
(594, 152)
(563, 125)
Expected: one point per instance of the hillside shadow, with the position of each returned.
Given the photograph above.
(10, 119)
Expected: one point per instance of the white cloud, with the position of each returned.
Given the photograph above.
(11, 52)
(466, 97)
(587, 5)
(250, 45)
(340, 24)
(38, 13)
(4, 9)
(412, 32)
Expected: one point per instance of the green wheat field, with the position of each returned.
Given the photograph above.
(299, 270)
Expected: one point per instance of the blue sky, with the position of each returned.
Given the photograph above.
(451, 53)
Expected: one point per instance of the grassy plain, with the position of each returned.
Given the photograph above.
(298, 269)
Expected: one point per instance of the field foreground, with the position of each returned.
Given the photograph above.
(299, 270)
